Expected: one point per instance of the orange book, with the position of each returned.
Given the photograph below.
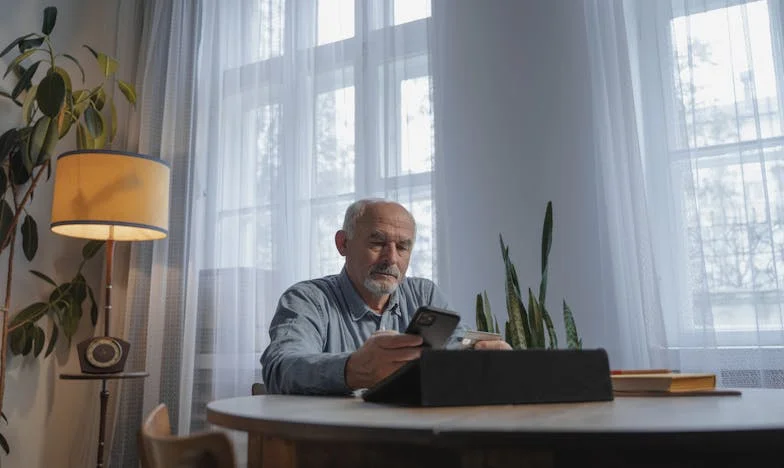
(663, 382)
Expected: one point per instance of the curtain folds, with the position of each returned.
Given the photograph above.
(275, 116)
(688, 118)
(157, 281)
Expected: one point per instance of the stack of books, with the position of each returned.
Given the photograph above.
(664, 382)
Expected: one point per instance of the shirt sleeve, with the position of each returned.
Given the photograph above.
(438, 299)
(295, 362)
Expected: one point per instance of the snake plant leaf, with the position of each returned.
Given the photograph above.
(6, 216)
(518, 319)
(15, 43)
(573, 340)
(50, 17)
(91, 248)
(52, 339)
(51, 94)
(508, 336)
(79, 65)
(44, 277)
(548, 321)
(39, 338)
(537, 322)
(30, 314)
(128, 91)
(480, 314)
(547, 243)
(29, 237)
(25, 79)
(17, 61)
(492, 323)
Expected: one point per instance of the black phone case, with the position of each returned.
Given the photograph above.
(436, 334)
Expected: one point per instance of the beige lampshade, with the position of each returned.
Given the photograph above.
(100, 194)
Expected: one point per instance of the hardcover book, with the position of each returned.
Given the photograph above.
(664, 382)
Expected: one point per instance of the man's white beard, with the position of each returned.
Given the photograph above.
(380, 288)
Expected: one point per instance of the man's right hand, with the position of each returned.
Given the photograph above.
(382, 354)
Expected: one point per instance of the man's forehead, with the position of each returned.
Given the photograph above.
(395, 235)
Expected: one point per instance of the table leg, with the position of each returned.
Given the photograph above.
(280, 453)
(102, 424)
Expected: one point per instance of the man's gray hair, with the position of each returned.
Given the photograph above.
(357, 209)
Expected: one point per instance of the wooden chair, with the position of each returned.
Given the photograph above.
(160, 449)
(258, 388)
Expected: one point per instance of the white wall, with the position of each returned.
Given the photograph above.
(514, 130)
(51, 422)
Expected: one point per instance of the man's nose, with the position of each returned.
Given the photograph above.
(391, 254)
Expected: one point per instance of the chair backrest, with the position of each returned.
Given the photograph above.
(258, 388)
(159, 448)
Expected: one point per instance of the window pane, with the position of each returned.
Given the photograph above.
(326, 221)
(416, 124)
(418, 200)
(335, 20)
(411, 10)
(734, 235)
(725, 75)
(334, 163)
(266, 30)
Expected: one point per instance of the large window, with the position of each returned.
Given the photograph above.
(335, 106)
(723, 71)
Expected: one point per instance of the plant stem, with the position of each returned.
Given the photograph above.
(7, 304)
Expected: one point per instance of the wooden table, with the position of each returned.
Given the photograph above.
(301, 431)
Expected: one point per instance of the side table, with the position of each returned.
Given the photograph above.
(104, 399)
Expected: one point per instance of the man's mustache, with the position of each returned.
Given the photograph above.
(387, 270)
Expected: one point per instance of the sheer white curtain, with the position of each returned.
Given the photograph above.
(276, 115)
(688, 102)
(302, 107)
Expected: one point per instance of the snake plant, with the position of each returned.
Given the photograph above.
(526, 326)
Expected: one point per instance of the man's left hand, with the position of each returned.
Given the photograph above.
(492, 344)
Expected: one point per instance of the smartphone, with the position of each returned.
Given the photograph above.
(434, 325)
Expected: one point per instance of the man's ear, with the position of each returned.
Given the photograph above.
(341, 242)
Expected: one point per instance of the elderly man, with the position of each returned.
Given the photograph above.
(343, 332)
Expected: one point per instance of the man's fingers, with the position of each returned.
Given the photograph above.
(402, 354)
(396, 340)
(495, 344)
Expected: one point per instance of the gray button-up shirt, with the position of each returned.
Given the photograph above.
(320, 322)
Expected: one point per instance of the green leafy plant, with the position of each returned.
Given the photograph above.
(51, 105)
(526, 327)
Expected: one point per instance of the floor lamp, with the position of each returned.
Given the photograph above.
(110, 196)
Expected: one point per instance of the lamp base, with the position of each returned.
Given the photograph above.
(103, 355)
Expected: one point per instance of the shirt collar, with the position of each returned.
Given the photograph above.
(357, 306)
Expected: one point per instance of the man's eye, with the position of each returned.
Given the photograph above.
(403, 247)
